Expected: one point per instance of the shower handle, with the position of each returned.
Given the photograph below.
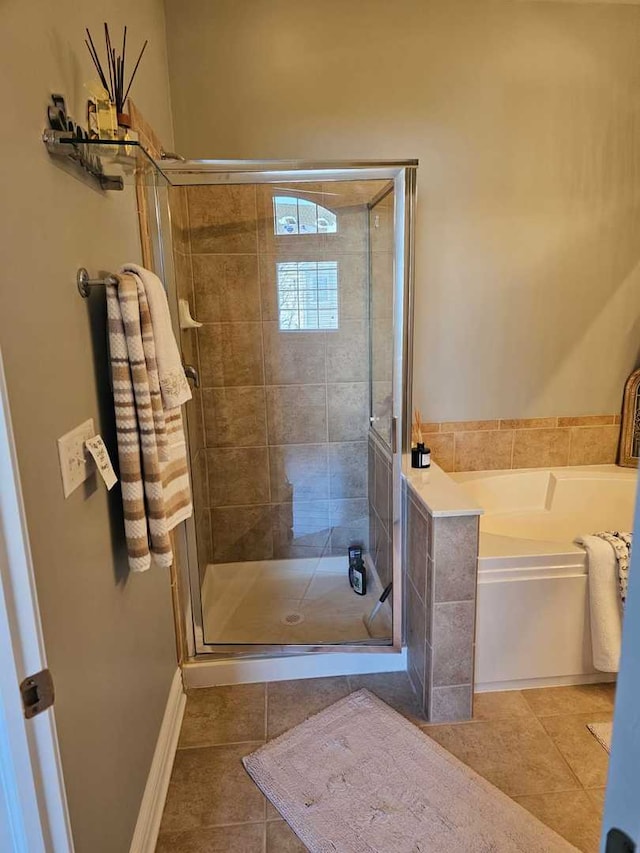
(191, 372)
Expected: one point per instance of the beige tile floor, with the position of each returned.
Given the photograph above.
(300, 601)
(532, 744)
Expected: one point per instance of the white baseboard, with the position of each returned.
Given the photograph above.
(554, 681)
(251, 670)
(145, 834)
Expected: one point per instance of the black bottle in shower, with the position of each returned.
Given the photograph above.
(357, 570)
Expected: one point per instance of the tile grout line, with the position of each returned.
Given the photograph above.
(219, 826)
(267, 436)
(267, 445)
(600, 711)
(581, 786)
(541, 793)
(557, 748)
(220, 744)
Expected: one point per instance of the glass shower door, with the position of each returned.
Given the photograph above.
(289, 279)
(381, 277)
(381, 218)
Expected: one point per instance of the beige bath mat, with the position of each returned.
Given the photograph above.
(359, 778)
(603, 732)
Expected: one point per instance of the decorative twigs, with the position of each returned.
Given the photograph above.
(96, 61)
(126, 94)
(114, 80)
(417, 427)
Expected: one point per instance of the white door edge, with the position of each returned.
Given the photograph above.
(622, 802)
(30, 766)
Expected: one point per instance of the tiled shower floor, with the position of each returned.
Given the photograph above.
(532, 744)
(304, 601)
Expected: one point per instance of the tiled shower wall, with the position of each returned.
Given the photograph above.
(280, 456)
(194, 410)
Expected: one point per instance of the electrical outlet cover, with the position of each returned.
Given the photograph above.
(76, 464)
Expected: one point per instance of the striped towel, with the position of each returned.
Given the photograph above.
(621, 543)
(151, 445)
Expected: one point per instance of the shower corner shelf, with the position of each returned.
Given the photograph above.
(112, 163)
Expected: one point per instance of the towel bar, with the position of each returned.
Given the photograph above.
(85, 283)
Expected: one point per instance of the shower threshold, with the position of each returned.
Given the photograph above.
(299, 601)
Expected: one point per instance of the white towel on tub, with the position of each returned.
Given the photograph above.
(604, 603)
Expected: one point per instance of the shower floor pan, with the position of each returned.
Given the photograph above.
(304, 601)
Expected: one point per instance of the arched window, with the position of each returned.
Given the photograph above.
(293, 215)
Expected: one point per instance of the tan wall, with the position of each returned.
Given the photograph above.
(524, 118)
(109, 636)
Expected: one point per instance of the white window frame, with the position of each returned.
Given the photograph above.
(301, 310)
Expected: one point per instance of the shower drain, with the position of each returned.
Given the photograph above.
(292, 619)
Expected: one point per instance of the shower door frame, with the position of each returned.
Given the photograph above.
(202, 172)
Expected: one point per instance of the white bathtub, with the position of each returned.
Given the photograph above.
(533, 613)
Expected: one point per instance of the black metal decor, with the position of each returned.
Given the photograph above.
(63, 134)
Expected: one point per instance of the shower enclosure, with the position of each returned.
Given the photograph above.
(296, 277)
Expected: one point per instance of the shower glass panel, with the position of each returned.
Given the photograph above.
(381, 280)
(290, 429)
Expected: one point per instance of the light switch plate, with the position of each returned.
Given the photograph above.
(75, 463)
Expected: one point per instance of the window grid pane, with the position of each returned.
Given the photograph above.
(307, 295)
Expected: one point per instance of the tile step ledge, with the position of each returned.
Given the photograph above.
(439, 493)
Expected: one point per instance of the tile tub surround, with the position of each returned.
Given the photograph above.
(532, 744)
(440, 580)
(493, 445)
(279, 427)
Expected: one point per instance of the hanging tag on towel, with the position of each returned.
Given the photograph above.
(97, 449)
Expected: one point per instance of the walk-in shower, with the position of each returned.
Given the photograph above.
(296, 276)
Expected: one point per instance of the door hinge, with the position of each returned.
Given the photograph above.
(619, 842)
(37, 693)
